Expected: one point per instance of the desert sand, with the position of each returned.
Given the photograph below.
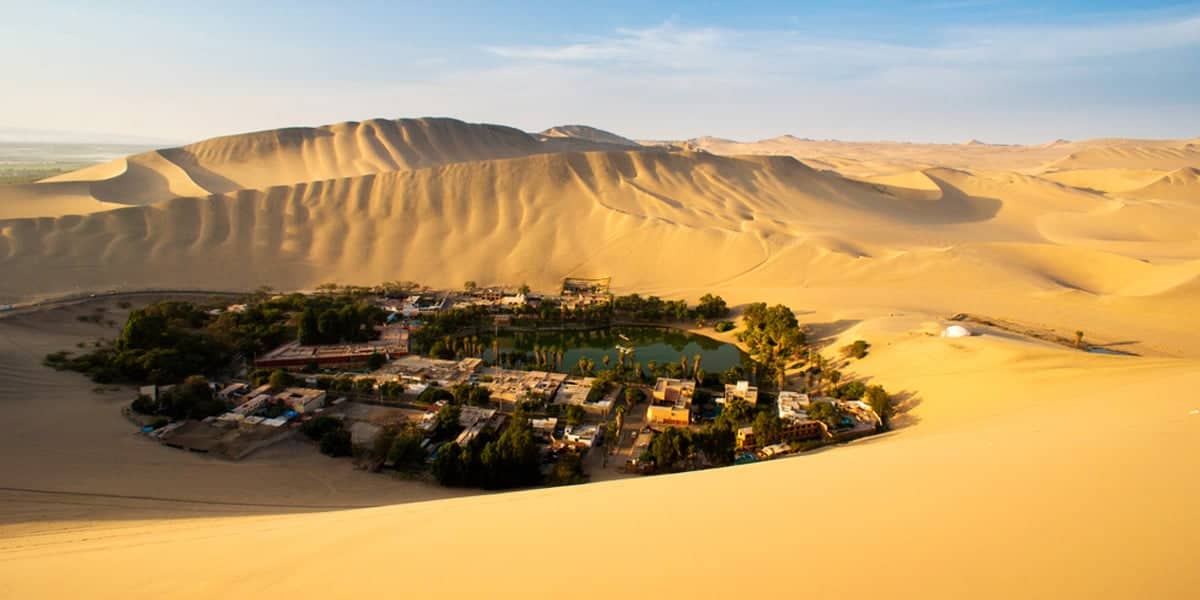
(1020, 468)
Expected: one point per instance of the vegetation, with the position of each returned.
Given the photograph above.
(772, 337)
(828, 413)
(856, 350)
(678, 448)
(881, 402)
(510, 460)
(336, 443)
(723, 326)
(405, 451)
(168, 341)
(193, 399)
(712, 307)
(316, 428)
(568, 470)
(472, 394)
(573, 414)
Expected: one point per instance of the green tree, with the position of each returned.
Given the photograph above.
(447, 465)
(738, 411)
(718, 441)
(712, 307)
(768, 428)
(826, 412)
(881, 402)
(309, 330)
(376, 361)
(279, 380)
(574, 414)
(316, 428)
(446, 421)
(329, 323)
(568, 470)
(671, 449)
(405, 451)
(336, 443)
(633, 395)
(857, 349)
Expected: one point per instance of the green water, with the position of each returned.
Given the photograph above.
(662, 345)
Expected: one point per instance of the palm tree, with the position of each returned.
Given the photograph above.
(582, 366)
(696, 365)
(495, 351)
(605, 359)
(683, 364)
(652, 365)
(834, 377)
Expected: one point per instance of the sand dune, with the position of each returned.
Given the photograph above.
(1020, 468)
(1132, 156)
(1182, 185)
(1000, 477)
(296, 155)
(747, 219)
(590, 134)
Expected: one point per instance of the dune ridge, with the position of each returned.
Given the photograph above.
(1018, 467)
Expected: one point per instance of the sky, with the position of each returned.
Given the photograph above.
(936, 70)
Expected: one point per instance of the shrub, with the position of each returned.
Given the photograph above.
(723, 326)
(144, 404)
(336, 443)
(406, 451)
(858, 349)
(376, 361)
(316, 428)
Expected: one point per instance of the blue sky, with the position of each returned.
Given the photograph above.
(937, 70)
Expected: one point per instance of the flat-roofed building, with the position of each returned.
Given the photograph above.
(668, 415)
(302, 400)
(392, 344)
(676, 392)
(793, 405)
(742, 390)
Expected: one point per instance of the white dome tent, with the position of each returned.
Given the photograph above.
(956, 331)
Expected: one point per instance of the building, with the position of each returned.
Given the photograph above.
(672, 402)
(674, 391)
(582, 436)
(543, 429)
(253, 405)
(794, 430)
(742, 390)
(793, 405)
(392, 343)
(512, 385)
(668, 415)
(745, 438)
(233, 393)
(302, 400)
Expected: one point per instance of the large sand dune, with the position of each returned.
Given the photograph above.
(1022, 469)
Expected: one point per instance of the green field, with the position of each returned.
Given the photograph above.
(26, 162)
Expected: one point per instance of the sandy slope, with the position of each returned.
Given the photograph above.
(710, 221)
(1022, 469)
(294, 155)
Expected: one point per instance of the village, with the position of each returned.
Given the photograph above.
(359, 398)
